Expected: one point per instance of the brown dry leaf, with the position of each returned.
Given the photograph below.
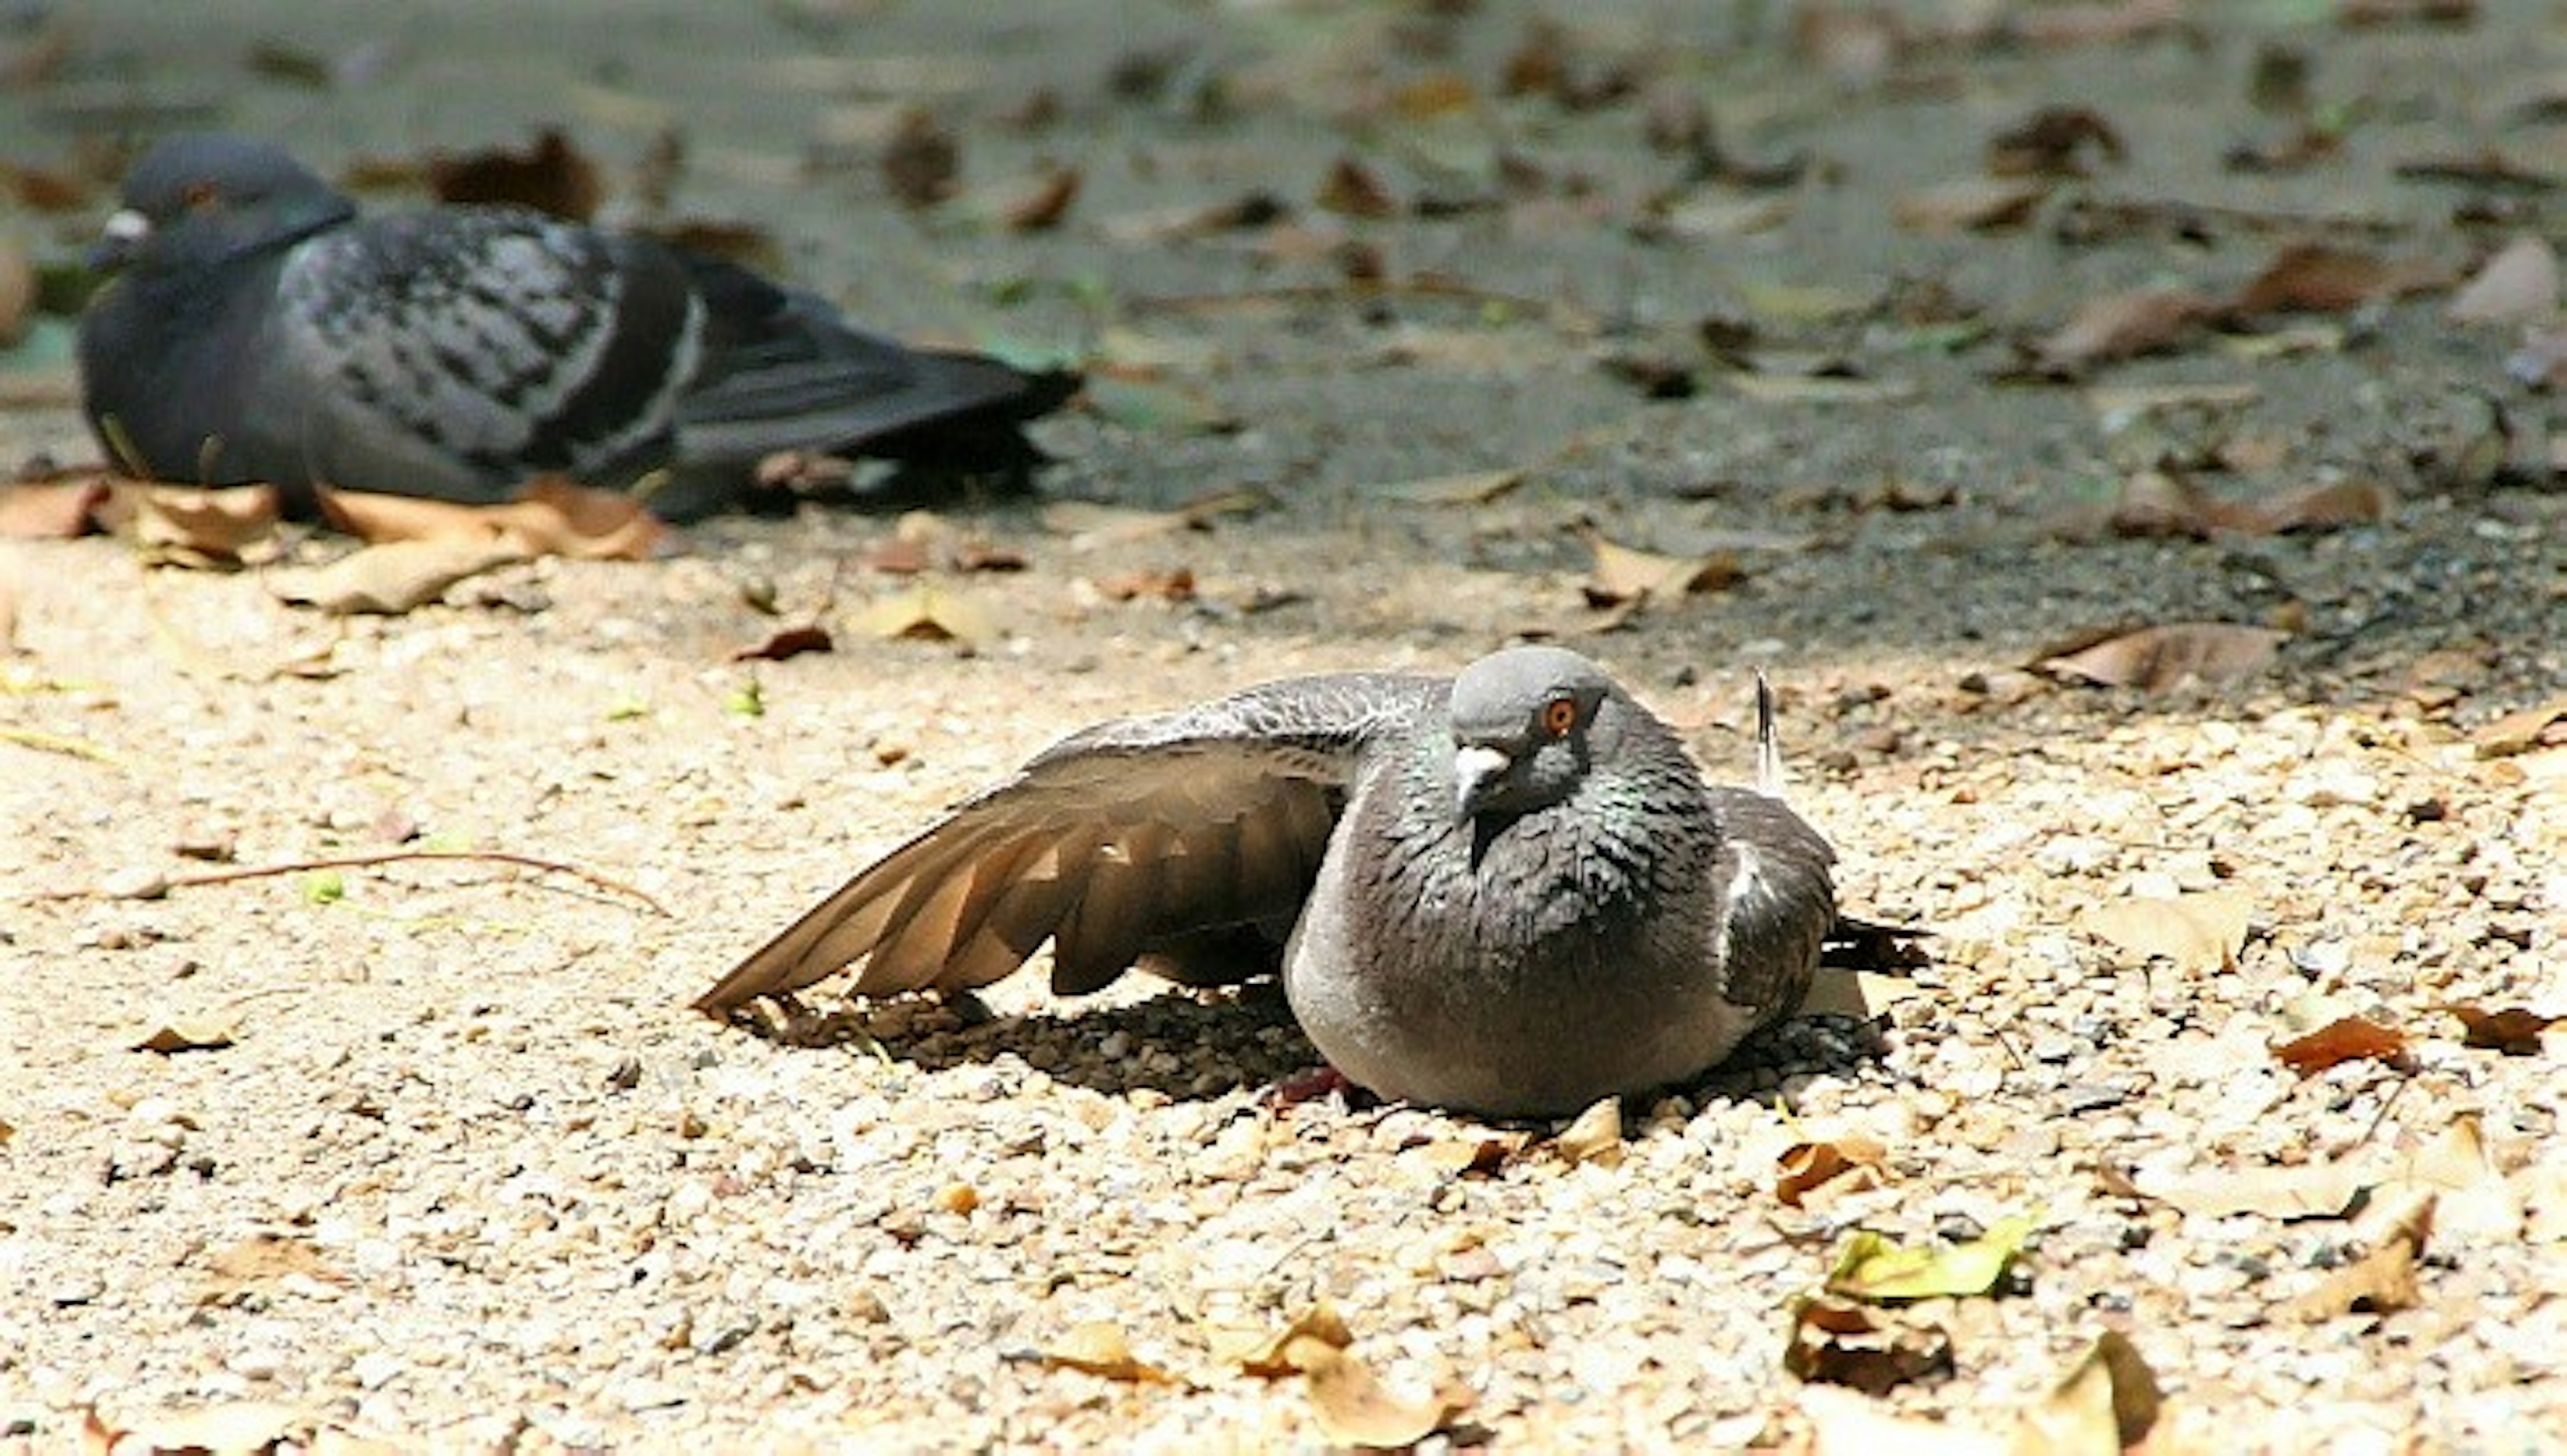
(51, 510)
(551, 177)
(1176, 585)
(1045, 203)
(2519, 285)
(927, 614)
(2324, 278)
(1837, 1342)
(1090, 523)
(1474, 488)
(2475, 1201)
(551, 516)
(2381, 1281)
(1839, 1166)
(221, 529)
(922, 161)
(2106, 1404)
(46, 190)
(1595, 1136)
(394, 577)
(2323, 507)
(786, 642)
(746, 244)
(1483, 1157)
(2514, 1030)
(1354, 1408)
(1355, 191)
(1629, 574)
(2054, 142)
(1100, 1348)
(2124, 325)
(2200, 931)
(189, 1033)
(1273, 1356)
(2155, 658)
(2157, 504)
(2295, 1191)
(1970, 204)
(2346, 1038)
(2523, 729)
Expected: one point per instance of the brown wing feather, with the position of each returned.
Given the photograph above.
(1115, 841)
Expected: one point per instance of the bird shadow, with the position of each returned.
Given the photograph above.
(1198, 1045)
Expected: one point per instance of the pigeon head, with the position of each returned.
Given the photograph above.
(202, 197)
(1524, 726)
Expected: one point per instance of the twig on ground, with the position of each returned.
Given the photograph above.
(361, 861)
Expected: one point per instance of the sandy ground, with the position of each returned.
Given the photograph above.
(462, 1172)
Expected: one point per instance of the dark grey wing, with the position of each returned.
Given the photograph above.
(782, 370)
(1131, 839)
(1773, 904)
(501, 340)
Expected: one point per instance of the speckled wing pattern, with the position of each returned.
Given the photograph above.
(503, 337)
(1160, 840)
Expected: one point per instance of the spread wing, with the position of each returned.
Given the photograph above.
(1132, 839)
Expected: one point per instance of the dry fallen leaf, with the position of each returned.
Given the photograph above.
(2289, 1191)
(1100, 1348)
(926, 613)
(2513, 1031)
(1971, 205)
(2201, 933)
(1354, 1408)
(2519, 285)
(1838, 1342)
(2346, 1038)
(550, 516)
(2325, 278)
(2159, 658)
(786, 642)
(2523, 729)
(189, 1033)
(1475, 487)
(1595, 1136)
(2124, 325)
(220, 529)
(922, 161)
(1851, 1164)
(1272, 1356)
(1627, 574)
(2381, 1281)
(52, 510)
(2106, 1404)
(394, 577)
(242, 1426)
(1355, 191)
(1172, 585)
(551, 177)
(1044, 205)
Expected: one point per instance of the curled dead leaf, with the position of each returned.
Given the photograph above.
(786, 642)
(394, 577)
(2124, 325)
(2327, 278)
(52, 510)
(1629, 574)
(1971, 205)
(1595, 1136)
(189, 1033)
(2541, 725)
(2155, 658)
(1273, 1356)
(220, 529)
(926, 613)
(1837, 1342)
(1355, 1409)
(1044, 204)
(1100, 1348)
(2106, 1403)
(2513, 1031)
(1851, 1164)
(2380, 1282)
(551, 177)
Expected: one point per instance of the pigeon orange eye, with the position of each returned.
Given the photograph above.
(199, 195)
(1559, 716)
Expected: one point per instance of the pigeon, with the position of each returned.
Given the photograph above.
(1509, 892)
(256, 328)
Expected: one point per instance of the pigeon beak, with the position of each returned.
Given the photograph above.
(1477, 770)
(125, 233)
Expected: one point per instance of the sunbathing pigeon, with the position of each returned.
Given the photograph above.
(1509, 892)
(258, 329)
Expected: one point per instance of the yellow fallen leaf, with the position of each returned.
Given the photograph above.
(187, 1033)
(1100, 1348)
(928, 613)
(1595, 1136)
(1273, 1356)
(394, 577)
(1625, 573)
(2106, 1404)
(1872, 1268)
(2158, 658)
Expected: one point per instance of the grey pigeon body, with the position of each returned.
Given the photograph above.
(1511, 892)
(259, 329)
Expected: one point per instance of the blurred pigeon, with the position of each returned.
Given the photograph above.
(1509, 892)
(260, 330)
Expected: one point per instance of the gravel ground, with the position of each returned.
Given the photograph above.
(429, 1151)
